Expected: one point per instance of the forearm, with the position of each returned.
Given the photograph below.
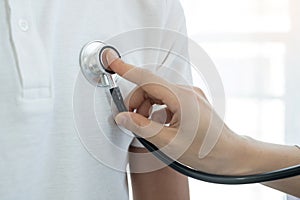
(265, 157)
(268, 157)
(249, 156)
(160, 184)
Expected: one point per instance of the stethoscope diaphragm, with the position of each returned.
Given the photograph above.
(93, 63)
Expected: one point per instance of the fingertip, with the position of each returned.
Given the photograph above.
(116, 64)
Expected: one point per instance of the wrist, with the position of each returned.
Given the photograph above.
(241, 155)
(265, 157)
(228, 155)
(249, 156)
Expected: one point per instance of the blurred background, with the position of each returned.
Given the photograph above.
(255, 45)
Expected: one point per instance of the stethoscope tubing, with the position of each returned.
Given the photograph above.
(220, 179)
(203, 176)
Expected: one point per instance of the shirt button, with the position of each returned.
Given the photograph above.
(23, 25)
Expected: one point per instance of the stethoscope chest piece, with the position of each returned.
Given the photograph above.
(93, 63)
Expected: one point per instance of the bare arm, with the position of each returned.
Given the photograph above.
(239, 155)
(267, 157)
(160, 184)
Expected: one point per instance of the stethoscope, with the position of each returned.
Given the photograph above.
(93, 65)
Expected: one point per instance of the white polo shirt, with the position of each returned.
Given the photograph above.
(41, 156)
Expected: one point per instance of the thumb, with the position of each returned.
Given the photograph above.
(142, 126)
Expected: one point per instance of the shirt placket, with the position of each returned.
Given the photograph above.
(32, 61)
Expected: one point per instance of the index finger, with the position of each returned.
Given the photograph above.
(139, 76)
(150, 83)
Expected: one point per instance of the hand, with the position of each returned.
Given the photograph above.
(192, 133)
(188, 120)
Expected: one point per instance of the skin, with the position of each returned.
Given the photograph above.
(232, 154)
(160, 184)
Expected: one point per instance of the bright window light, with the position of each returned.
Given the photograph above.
(247, 40)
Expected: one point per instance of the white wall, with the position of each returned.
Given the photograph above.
(255, 45)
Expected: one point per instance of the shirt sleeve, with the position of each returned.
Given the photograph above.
(181, 68)
(175, 67)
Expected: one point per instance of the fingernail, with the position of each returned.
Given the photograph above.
(111, 56)
(121, 119)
